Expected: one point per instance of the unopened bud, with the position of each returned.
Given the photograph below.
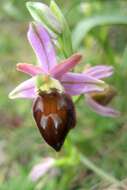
(43, 14)
(105, 96)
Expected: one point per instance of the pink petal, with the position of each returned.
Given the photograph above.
(42, 45)
(102, 110)
(41, 169)
(78, 83)
(79, 78)
(29, 69)
(25, 90)
(77, 89)
(65, 66)
(100, 72)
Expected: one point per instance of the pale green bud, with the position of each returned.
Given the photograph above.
(43, 14)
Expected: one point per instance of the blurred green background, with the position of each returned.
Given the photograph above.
(99, 31)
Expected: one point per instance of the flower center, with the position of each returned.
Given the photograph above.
(47, 83)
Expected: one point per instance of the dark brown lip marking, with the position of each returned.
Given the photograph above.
(54, 114)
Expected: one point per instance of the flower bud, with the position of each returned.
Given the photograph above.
(57, 12)
(43, 14)
(104, 97)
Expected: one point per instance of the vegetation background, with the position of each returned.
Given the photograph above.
(94, 156)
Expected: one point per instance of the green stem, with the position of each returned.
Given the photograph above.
(78, 99)
(99, 171)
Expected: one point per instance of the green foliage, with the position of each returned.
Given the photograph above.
(95, 152)
(18, 183)
(88, 24)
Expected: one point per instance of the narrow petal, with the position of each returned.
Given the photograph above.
(48, 46)
(102, 110)
(29, 69)
(25, 90)
(100, 72)
(42, 168)
(77, 89)
(77, 78)
(79, 83)
(42, 45)
(65, 66)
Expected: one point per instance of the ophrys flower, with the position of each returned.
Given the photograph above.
(52, 85)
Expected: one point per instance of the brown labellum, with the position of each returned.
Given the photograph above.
(54, 114)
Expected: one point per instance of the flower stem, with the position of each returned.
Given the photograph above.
(78, 98)
(99, 171)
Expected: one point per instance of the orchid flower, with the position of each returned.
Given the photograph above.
(51, 86)
(98, 101)
(52, 18)
(72, 83)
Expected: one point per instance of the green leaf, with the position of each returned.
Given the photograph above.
(123, 65)
(87, 24)
(124, 60)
